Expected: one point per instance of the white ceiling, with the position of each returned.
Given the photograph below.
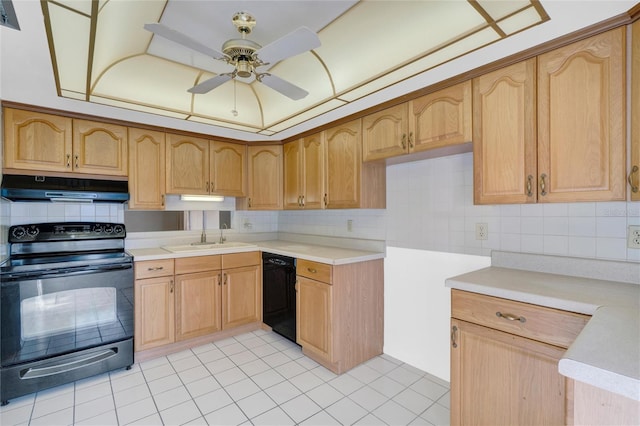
(371, 51)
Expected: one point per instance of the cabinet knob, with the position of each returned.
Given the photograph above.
(312, 270)
(634, 170)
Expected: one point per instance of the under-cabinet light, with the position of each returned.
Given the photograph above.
(217, 198)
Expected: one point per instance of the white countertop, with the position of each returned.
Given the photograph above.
(606, 354)
(318, 253)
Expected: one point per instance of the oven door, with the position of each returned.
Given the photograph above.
(58, 311)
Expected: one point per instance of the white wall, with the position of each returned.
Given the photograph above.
(417, 308)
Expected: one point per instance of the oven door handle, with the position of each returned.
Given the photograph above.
(62, 272)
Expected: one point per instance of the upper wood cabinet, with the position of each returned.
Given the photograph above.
(264, 183)
(634, 173)
(304, 173)
(504, 135)
(435, 120)
(146, 169)
(46, 142)
(228, 169)
(201, 167)
(581, 120)
(577, 150)
(350, 183)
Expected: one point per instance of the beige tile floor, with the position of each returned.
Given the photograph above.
(255, 378)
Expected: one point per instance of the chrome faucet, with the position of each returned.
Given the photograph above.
(222, 238)
(203, 236)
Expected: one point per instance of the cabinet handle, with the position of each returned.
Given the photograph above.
(454, 330)
(510, 317)
(156, 268)
(249, 202)
(68, 160)
(529, 186)
(634, 188)
(312, 270)
(162, 200)
(302, 200)
(171, 287)
(326, 203)
(404, 141)
(76, 161)
(225, 279)
(543, 184)
(207, 189)
(299, 202)
(410, 139)
(220, 279)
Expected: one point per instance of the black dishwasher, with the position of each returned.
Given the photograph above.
(279, 294)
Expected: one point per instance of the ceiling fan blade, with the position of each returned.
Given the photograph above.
(184, 40)
(279, 85)
(292, 44)
(210, 84)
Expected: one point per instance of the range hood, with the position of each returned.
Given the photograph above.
(63, 189)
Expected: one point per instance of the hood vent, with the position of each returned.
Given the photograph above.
(63, 189)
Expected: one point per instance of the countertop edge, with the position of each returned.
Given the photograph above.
(585, 360)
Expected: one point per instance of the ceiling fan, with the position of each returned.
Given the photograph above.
(246, 55)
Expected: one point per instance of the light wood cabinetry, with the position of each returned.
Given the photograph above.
(350, 183)
(154, 304)
(581, 148)
(50, 143)
(198, 293)
(264, 183)
(146, 169)
(201, 167)
(435, 120)
(190, 297)
(340, 312)
(579, 152)
(304, 173)
(634, 173)
(504, 135)
(504, 361)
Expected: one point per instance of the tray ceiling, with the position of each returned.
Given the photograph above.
(101, 53)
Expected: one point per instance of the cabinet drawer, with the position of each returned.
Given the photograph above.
(547, 325)
(153, 268)
(238, 260)
(187, 265)
(314, 270)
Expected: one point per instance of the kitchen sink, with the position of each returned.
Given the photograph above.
(205, 246)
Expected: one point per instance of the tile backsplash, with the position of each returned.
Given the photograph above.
(22, 212)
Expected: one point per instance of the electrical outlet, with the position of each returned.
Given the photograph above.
(482, 231)
(633, 237)
(349, 225)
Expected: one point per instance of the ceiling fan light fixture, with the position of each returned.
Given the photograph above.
(244, 67)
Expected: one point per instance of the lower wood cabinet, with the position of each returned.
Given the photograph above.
(504, 361)
(188, 297)
(340, 312)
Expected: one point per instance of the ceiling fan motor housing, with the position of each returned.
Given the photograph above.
(242, 55)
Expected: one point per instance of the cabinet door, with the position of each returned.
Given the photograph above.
(634, 173)
(228, 169)
(441, 118)
(187, 165)
(240, 296)
(265, 177)
(293, 171)
(385, 133)
(312, 176)
(504, 135)
(581, 120)
(344, 162)
(197, 304)
(146, 169)
(154, 312)
(314, 312)
(36, 141)
(99, 148)
(501, 379)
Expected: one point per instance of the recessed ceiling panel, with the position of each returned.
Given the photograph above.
(365, 46)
